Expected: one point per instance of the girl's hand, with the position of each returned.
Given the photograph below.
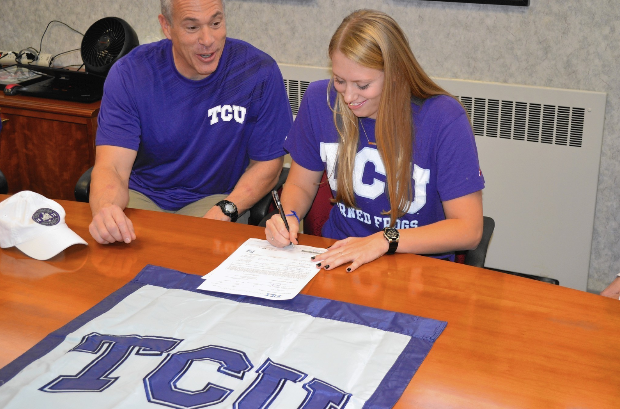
(354, 250)
(276, 234)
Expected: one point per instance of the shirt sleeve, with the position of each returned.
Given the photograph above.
(458, 168)
(303, 141)
(274, 119)
(118, 121)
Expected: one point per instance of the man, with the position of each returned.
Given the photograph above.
(193, 124)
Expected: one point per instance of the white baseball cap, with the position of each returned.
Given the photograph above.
(35, 225)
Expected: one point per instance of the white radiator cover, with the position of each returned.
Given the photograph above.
(539, 152)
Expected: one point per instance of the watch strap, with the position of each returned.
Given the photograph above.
(393, 246)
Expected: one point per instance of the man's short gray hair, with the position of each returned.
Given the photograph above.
(166, 9)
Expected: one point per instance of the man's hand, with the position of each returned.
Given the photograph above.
(612, 290)
(109, 195)
(110, 225)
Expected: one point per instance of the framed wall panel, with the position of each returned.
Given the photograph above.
(501, 2)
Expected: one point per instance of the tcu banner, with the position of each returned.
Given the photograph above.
(159, 342)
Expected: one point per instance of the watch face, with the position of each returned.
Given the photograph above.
(229, 208)
(391, 234)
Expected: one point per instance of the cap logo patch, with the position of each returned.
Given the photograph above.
(46, 217)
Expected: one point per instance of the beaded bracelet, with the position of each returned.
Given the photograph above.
(293, 213)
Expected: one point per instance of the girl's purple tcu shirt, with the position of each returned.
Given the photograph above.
(445, 163)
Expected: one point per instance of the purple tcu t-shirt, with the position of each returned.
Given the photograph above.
(193, 138)
(445, 163)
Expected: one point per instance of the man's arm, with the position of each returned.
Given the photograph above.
(257, 180)
(109, 195)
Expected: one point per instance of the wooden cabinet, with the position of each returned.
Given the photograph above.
(46, 144)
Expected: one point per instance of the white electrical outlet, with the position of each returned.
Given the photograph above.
(44, 60)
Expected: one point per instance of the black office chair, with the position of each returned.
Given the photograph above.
(4, 186)
(477, 256)
(257, 212)
(260, 210)
(82, 187)
(530, 276)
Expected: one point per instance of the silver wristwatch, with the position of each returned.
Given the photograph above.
(229, 209)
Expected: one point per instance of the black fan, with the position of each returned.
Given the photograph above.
(105, 42)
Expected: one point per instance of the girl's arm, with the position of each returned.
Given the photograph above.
(297, 194)
(461, 230)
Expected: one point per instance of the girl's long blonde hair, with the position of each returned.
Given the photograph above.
(374, 40)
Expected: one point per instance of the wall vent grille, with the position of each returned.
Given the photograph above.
(494, 118)
(295, 90)
(541, 123)
(296, 81)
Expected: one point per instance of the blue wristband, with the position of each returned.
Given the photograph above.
(293, 213)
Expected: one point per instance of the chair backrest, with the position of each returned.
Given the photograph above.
(477, 256)
(82, 187)
(4, 186)
(548, 280)
(319, 211)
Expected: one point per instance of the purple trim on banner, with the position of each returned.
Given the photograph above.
(406, 324)
(423, 331)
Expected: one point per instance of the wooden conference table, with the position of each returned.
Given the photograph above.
(510, 342)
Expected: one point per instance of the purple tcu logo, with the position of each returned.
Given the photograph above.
(46, 217)
(163, 384)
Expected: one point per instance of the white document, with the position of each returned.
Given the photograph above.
(260, 270)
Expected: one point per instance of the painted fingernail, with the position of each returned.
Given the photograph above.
(326, 267)
(312, 258)
(348, 269)
(318, 265)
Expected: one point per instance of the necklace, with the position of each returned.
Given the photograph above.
(365, 134)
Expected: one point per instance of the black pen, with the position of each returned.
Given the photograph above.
(276, 199)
